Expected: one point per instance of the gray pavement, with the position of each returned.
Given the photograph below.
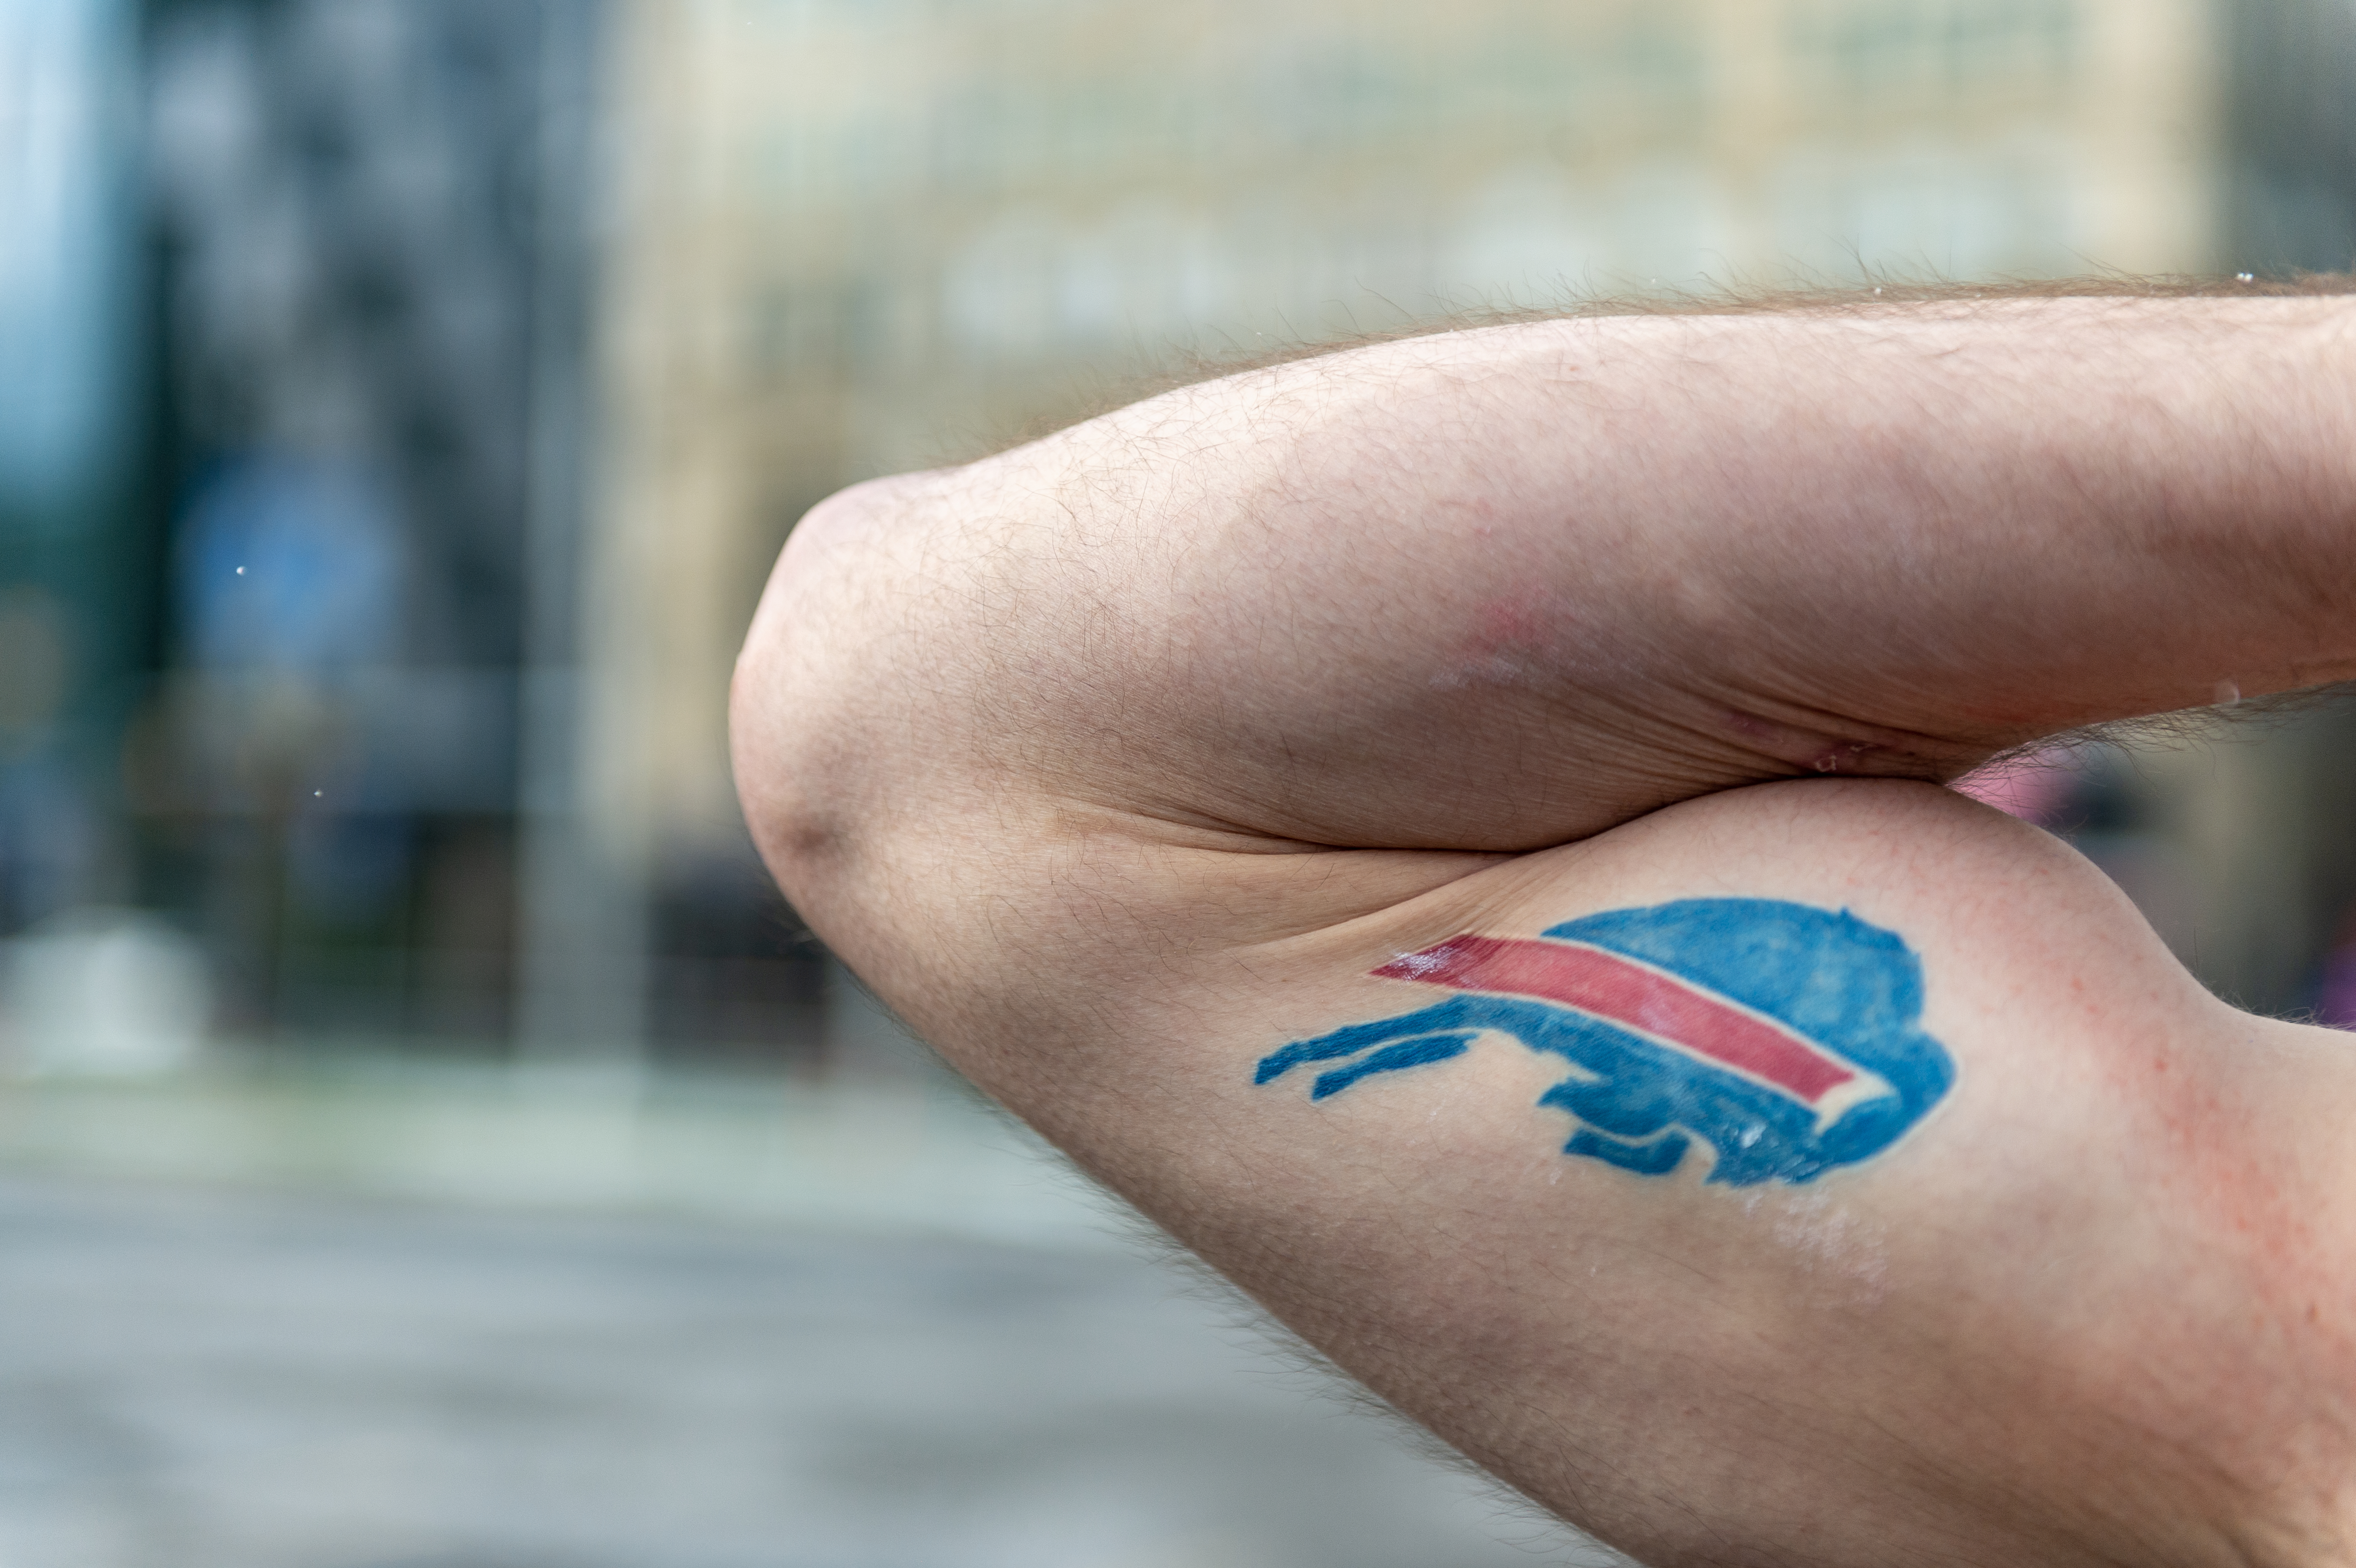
(215, 1379)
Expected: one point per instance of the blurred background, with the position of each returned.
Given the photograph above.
(425, 1136)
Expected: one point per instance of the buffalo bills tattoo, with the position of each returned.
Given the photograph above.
(1785, 1039)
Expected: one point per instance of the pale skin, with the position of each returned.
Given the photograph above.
(1115, 762)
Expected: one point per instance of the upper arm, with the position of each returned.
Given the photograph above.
(2067, 1296)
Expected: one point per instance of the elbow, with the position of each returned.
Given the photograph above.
(805, 725)
(796, 822)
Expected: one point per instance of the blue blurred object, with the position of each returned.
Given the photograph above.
(293, 564)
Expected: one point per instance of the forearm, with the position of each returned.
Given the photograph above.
(1599, 565)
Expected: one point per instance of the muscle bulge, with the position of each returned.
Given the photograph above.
(1120, 761)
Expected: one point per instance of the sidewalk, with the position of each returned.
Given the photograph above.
(656, 1322)
(241, 1380)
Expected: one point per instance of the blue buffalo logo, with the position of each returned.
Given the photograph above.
(1787, 1038)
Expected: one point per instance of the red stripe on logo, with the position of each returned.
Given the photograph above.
(1623, 992)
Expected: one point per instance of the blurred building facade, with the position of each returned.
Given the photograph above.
(491, 348)
(73, 624)
(2291, 201)
(862, 236)
(374, 235)
(324, 779)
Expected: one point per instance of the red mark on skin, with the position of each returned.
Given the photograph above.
(1832, 758)
(1512, 638)
(1622, 991)
(1803, 748)
(1505, 621)
(1525, 623)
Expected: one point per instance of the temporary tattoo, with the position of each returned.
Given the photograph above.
(1787, 1038)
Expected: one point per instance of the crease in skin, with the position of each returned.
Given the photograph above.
(1269, 872)
(1419, 875)
(1401, 927)
(1848, 748)
(1527, 641)
(1170, 824)
(1703, 751)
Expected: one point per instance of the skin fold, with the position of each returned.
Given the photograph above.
(1116, 761)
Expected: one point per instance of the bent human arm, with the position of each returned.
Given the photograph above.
(1122, 765)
